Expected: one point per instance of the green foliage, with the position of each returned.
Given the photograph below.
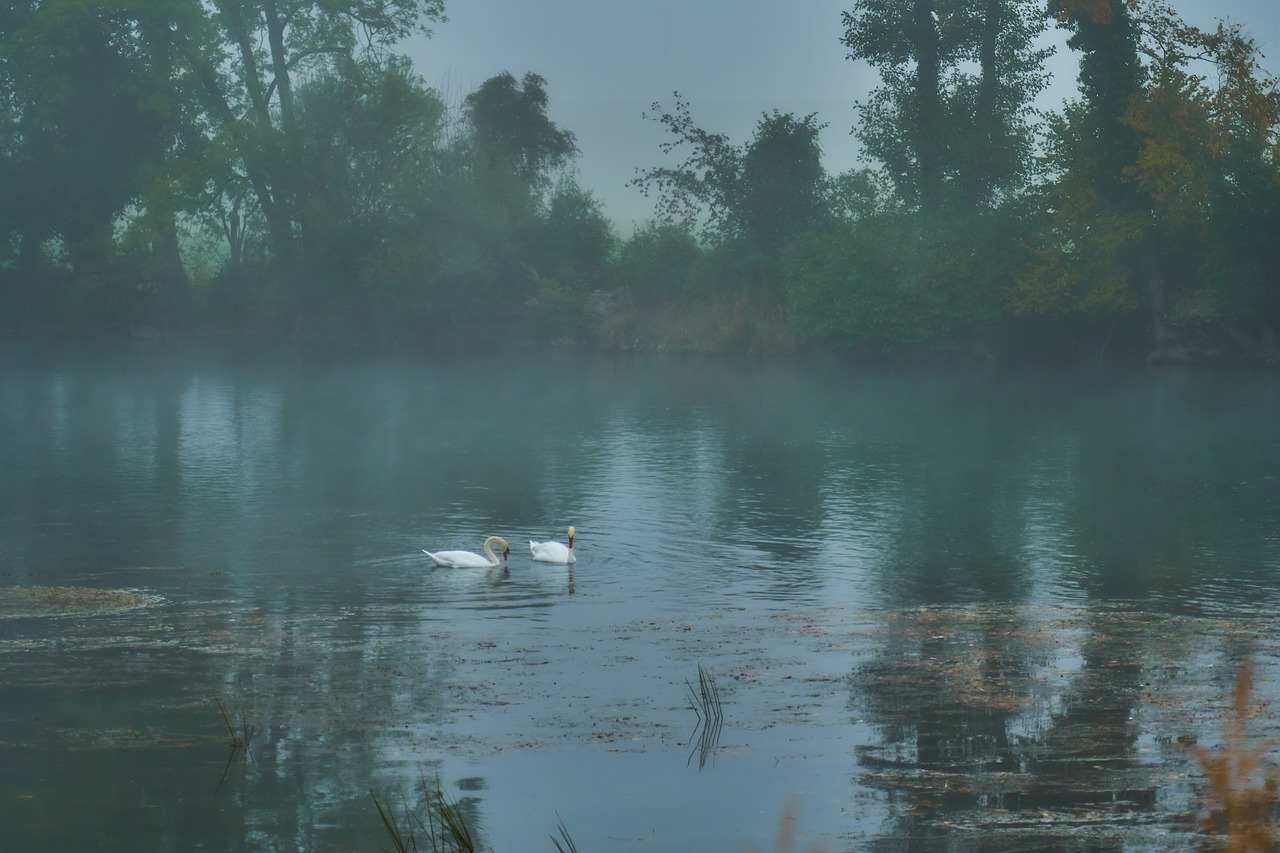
(1165, 185)
(1238, 273)
(1111, 76)
(782, 186)
(1077, 264)
(86, 85)
(372, 140)
(950, 121)
(511, 132)
(314, 187)
(244, 58)
(674, 293)
(657, 263)
(570, 261)
(761, 194)
(564, 307)
(922, 262)
(898, 280)
(1211, 163)
(578, 235)
(849, 290)
(747, 202)
(699, 192)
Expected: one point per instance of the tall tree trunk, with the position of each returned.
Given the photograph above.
(254, 158)
(89, 243)
(1163, 338)
(290, 166)
(986, 132)
(928, 87)
(173, 285)
(257, 139)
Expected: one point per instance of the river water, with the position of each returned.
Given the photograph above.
(943, 609)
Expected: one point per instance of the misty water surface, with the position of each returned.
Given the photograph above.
(946, 609)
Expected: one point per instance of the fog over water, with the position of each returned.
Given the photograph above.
(949, 609)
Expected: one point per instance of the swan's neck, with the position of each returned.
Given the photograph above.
(488, 549)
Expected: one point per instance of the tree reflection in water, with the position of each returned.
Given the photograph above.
(1013, 728)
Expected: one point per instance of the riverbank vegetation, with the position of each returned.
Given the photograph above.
(173, 167)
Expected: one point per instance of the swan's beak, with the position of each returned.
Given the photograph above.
(506, 552)
(570, 541)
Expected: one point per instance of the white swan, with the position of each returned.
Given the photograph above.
(553, 552)
(468, 559)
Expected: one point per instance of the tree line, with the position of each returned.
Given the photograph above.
(277, 168)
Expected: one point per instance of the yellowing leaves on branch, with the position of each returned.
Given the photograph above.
(1178, 145)
(1152, 169)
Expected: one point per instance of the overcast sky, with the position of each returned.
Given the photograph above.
(607, 61)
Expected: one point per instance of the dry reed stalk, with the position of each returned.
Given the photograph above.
(1242, 791)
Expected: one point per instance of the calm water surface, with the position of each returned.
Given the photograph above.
(945, 610)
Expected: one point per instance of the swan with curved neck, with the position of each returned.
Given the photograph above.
(553, 552)
(469, 559)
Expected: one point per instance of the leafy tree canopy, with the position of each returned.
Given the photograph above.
(764, 192)
(951, 120)
(512, 131)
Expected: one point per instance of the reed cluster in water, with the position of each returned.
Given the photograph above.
(1241, 795)
(442, 826)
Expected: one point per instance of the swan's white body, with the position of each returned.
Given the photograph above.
(553, 552)
(469, 559)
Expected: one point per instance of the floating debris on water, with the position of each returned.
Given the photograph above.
(29, 601)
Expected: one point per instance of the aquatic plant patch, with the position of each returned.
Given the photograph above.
(28, 601)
